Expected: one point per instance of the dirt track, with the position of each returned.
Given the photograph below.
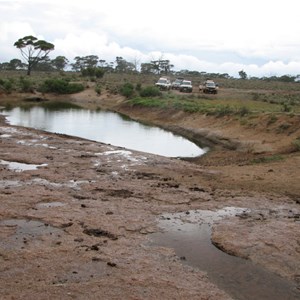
(78, 226)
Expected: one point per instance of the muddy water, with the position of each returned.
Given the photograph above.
(21, 231)
(189, 235)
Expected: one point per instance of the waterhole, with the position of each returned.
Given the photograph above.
(189, 235)
(106, 127)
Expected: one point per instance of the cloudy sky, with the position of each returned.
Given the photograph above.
(261, 37)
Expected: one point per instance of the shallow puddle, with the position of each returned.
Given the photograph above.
(189, 235)
(21, 232)
(20, 167)
(50, 204)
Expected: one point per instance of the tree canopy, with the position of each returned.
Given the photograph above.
(33, 50)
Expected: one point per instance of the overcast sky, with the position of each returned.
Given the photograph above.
(261, 37)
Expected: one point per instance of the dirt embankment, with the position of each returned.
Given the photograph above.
(238, 150)
(77, 224)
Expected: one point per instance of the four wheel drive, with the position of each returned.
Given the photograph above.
(176, 83)
(163, 84)
(208, 87)
(186, 86)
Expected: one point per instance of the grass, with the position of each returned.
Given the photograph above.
(235, 97)
(267, 159)
(216, 106)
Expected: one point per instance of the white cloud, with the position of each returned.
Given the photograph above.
(260, 37)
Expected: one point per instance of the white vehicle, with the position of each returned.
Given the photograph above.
(209, 87)
(176, 83)
(186, 86)
(163, 84)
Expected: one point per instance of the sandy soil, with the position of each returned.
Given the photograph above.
(79, 225)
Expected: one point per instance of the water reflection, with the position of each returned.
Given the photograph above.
(106, 127)
(189, 235)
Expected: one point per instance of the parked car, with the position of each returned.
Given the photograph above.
(186, 86)
(209, 87)
(176, 83)
(163, 84)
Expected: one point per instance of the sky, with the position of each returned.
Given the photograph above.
(260, 37)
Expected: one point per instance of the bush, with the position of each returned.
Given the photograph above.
(150, 91)
(93, 72)
(296, 144)
(25, 85)
(138, 87)
(98, 89)
(7, 85)
(243, 111)
(60, 86)
(223, 111)
(127, 90)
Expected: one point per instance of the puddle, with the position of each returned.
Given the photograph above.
(21, 232)
(189, 235)
(20, 167)
(50, 204)
(72, 184)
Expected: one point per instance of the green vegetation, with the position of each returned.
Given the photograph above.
(267, 159)
(150, 91)
(219, 106)
(127, 90)
(33, 50)
(56, 105)
(60, 86)
(296, 144)
(246, 99)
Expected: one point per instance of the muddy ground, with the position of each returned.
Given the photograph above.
(77, 222)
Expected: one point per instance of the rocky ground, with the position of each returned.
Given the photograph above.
(76, 216)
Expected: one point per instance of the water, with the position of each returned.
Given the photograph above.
(19, 167)
(189, 235)
(24, 231)
(106, 127)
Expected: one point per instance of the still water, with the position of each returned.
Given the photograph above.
(190, 236)
(106, 127)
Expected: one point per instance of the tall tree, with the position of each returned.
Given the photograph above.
(33, 50)
(84, 62)
(243, 74)
(59, 63)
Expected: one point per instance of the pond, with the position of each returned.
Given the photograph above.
(106, 127)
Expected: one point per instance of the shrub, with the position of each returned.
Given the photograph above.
(138, 87)
(60, 86)
(7, 85)
(93, 72)
(296, 144)
(98, 89)
(243, 111)
(223, 111)
(267, 159)
(127, 90)
(150, 91)
(25, 85)
(286, 107)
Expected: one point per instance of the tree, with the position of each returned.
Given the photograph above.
(15, 64)
(243, 74)
(59, 63)
(123, 66)
(161, 66)
(44, 65)
(33, 50)
(84, 62)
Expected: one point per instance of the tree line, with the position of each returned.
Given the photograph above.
(36, 58)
